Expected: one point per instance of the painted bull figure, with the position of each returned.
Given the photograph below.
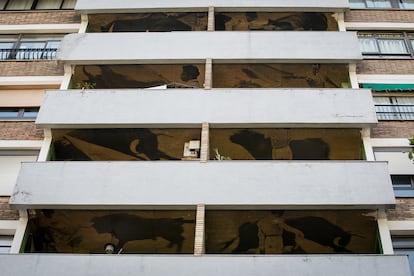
(126, 227)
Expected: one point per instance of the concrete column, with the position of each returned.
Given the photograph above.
(366, 140)
(340, 18)
(19, 234)
(68, 71)
(208, 77)
(205, 141)
(84, 23)
(384, 232)
(199, 241)
(44, 150)
(210, 22)
(353, 76)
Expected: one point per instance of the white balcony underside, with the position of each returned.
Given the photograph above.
(97, 6)
(218, 184)
(221, 47)
(344, 108)
(297, 265)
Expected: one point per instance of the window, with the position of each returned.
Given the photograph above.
(394, 108)
(5, 244)
(405, 245)
(400, 167)
(10, 161)
(18, 113)
(28, 47)
(37, 4)
(381, 4)
(386, 44)
(403, 185)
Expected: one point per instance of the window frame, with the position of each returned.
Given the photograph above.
(34, 4)
(406, 37)
(21, 113)
(394, 110)
(16, 52)
(395, 4)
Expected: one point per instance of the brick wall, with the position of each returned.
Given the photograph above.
(404, 210)
(383, 66)
(31, 68)
(39, 17)
(393, 129)
(6, 213)
(20, 131)
(394, 16)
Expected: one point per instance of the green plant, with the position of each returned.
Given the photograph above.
(411, 153)
(85, 85)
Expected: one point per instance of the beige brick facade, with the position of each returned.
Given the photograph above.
(31, 68)
(6, 213)
(404, 210)
(393, 129)
(39, 17)
(383, 66)
(393, 16)
(20, 131)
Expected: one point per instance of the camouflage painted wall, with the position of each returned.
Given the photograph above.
(286, 144)
(69, 231)
(291, 232)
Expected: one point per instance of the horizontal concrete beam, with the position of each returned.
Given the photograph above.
(111, 6)
(221, 47)
(220, 107)
(217, 184)
(293, 265)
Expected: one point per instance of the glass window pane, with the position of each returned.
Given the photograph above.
(48, 5)
(401, 182)
(357, 4)
(407, 4)
(379, 3)
(9, 113)
(394, 46)
(19, 5)
(69, 4)
(5, 50)
(368, 45)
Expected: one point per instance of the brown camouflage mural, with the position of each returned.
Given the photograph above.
(272, 21)
(291, 232)
(121, 144)
(148, 22)
(280, 76)
(286, 144)
(139, 76)
(69, 231)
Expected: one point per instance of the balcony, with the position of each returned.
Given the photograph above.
(220, 107)
(220, 185)
(202, 5)
(67, 265)
(221, 47)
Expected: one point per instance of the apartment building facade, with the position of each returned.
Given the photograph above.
(211, 137)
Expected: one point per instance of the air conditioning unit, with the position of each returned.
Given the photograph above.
(192, 149)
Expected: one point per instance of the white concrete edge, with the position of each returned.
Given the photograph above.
(21, 144)
(362, 26)
(32, 80)
(390, 142)
(384, 233)
(401, 227)
(15, 228)
(40, 28)
(385, 79)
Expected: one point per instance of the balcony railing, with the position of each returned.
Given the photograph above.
(28, 54)
(394, 112)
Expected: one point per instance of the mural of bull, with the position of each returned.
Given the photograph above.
(126, 227)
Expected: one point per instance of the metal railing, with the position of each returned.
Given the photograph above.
(28, 54)
(394, 112)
